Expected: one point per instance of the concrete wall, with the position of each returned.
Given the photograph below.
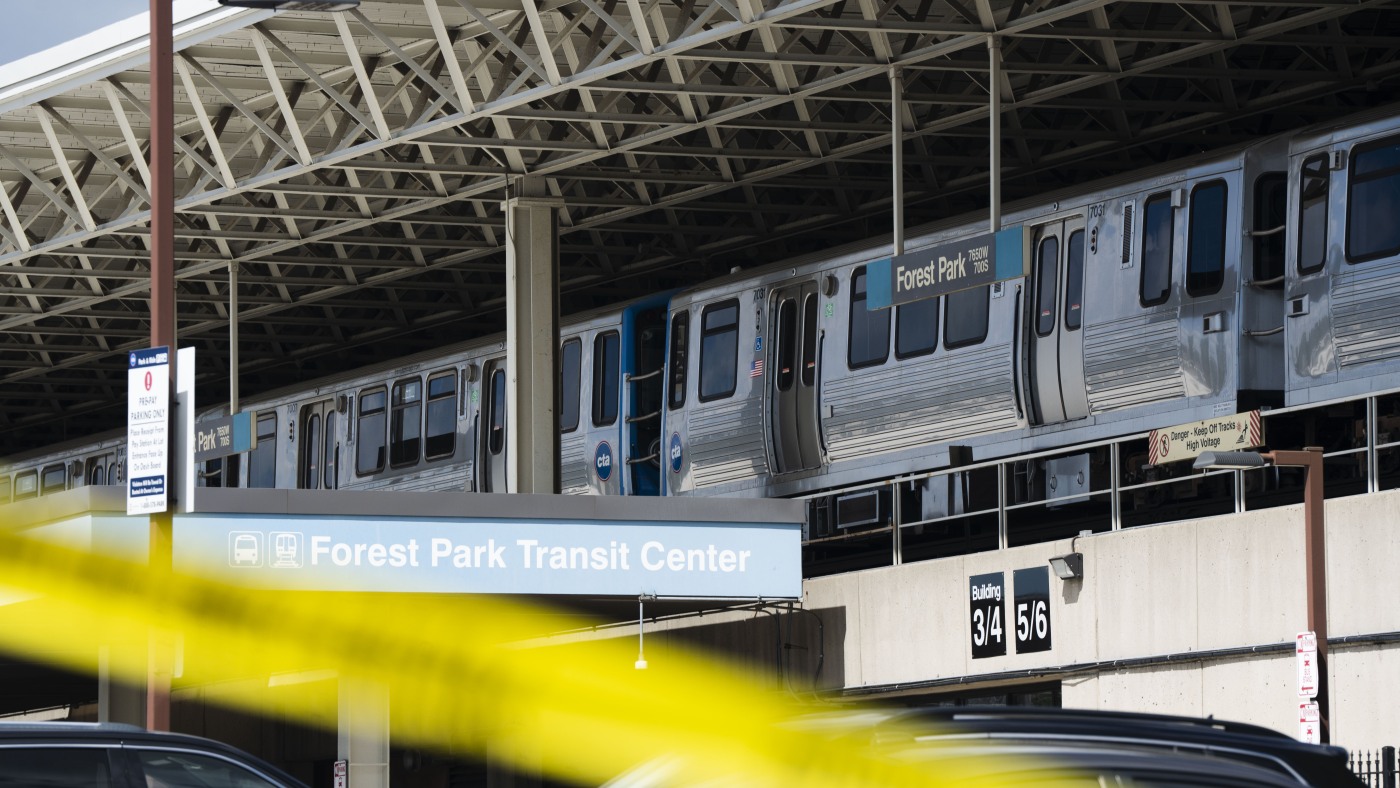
(1152, 597)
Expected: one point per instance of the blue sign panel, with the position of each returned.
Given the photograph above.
(948, 268)
(481, 556)
(223, 436)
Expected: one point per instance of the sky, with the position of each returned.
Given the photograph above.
(34, 25)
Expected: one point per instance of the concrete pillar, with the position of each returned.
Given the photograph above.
(118, 702)
(362, 739)
(532, 339)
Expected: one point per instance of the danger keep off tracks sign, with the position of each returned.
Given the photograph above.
(1240, 432)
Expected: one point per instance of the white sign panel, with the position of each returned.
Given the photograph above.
(1307, 664)
(147, 430)
(495, 556)
(1309, 723)
(1240, 432)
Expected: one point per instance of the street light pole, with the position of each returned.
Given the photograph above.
(1314, 546)
(1315, 559)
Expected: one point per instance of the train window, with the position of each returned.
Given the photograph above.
(570, 364)
(719, 350)
(229, 478)
(26, 485)
(310, 437)
(915, 328)
(213, 473)
(680, 338)
(1270, 208)
(606, 369)
(809, 340)
(96, 471)
(440, 431)
(4, 489)
(330, 454)
(965, 321)
(1047, 275)
(262, 460)
(406, 422)
(1205, 240)
(1155, 287)
(870, 328)
(1074, 281)
(496, 442)
(369, 451)
(54, 479)
(1373, 201)
(1312, 216)
(787, 343)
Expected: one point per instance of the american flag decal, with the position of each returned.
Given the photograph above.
(756, 368)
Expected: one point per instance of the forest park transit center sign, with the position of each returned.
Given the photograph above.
(494, 555)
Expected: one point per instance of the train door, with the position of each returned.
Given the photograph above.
(491, 468)
(643, 361)
(1261, 370)
(792, 391)
(96, 469)
(1054, 341)
(1308, 313)
(318, 456)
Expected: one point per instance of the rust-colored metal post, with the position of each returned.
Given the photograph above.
(1315, 560)
(162, 168)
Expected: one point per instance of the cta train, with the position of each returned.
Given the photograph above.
(1260, 276)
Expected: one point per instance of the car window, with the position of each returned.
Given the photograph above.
(174, 769)
(38, 767)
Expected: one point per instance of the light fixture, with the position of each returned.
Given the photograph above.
(641, 663)
(294, 5)
(1068, 566)
(1237, 460)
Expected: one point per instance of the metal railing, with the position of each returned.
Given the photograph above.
(1375, 768)
(1009, 501)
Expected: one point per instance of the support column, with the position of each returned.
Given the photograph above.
(232, 349)
(157, 711)
(117, 701)
(362, 732)
(994, 129)
(532, 339)
(897, 140)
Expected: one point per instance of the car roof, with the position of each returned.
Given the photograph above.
(60, 732)
(1004, 763)
(1315, 764)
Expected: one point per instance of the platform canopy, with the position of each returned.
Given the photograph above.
(352, 165)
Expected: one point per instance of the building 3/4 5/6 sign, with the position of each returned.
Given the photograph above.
(147, 429)
(988, 618)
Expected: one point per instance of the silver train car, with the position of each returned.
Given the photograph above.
(1261, 276)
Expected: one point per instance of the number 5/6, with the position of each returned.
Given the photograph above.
(1023, 621)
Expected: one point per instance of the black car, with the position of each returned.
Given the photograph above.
(1305, 764)
(92, 755)
(1008, 764)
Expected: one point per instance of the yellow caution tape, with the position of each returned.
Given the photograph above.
(454, 670)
